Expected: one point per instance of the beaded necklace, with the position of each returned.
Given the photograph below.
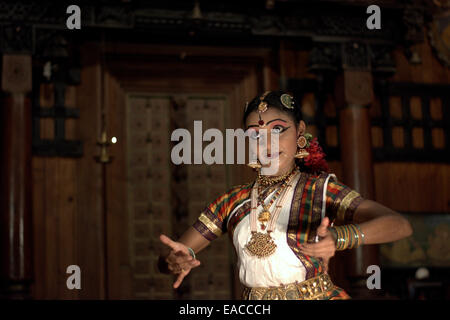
(261, 244)
(264, 216)
(267, 181)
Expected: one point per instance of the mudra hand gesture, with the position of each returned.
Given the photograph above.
(325, 248)
(179, 261)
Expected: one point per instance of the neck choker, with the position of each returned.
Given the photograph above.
(267, 181)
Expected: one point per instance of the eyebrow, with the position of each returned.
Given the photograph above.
(268, 122)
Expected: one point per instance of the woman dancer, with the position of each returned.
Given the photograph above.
(286, 226)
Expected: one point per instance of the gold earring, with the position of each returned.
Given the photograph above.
(255, 165)
(302, 143)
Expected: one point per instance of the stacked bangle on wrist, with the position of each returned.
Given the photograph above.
(361, 234)
(347, 236)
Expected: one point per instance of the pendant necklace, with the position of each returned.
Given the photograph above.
(261, 244)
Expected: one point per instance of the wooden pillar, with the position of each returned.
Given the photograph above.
(354, 93)
(15, 185)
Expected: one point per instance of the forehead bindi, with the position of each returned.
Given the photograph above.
(270, 123)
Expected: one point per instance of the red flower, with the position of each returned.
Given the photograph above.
(315, 161)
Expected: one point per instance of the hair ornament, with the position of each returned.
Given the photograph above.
(287, 101)
(262, 107)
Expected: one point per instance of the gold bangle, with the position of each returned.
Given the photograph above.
(361, 233)
(347, 236)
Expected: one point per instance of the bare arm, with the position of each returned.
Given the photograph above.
(194, 240)
(380, 224)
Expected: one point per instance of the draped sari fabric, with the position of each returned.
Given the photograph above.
(307, 201)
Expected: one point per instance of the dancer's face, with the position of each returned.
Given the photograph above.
(281, 124)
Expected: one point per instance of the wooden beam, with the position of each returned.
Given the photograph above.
(15, 195)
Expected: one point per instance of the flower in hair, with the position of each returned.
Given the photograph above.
(315, 161)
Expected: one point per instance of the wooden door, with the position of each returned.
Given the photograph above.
(148, 92)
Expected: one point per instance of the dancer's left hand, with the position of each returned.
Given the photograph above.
(323, 249)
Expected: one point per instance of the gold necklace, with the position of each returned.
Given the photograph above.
(261, 244)
(268, 181)
(265, 215)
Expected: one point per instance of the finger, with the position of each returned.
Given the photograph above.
(318, 253)
(328, 239)
(180, 279)
(309, 252)
(174, 267)
(180, 256)
(318, 249)
(322, 231)
(182, 251)
(172, 258)
(319, 245)
(181, 261)
(190, 264)
(169, 242)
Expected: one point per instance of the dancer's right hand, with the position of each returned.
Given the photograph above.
(179, 261)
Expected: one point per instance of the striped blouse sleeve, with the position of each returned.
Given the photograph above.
(341, 202)
(212, 220)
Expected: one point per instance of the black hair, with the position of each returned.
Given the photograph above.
(273, 99)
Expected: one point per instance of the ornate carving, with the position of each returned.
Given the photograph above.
(21, 11)
(439, 34)
(413, 18)
(117, 16)
(355, 56)
(16, 38)
(311, 21)
(267, 25)
(381, 60)
(324, 57)
(51, 44)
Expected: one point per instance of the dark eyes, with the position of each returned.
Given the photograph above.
(278, 129)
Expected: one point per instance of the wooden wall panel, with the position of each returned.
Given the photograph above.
(89, 179)
(54, 213)
(118, 253)
(413, 187)
(38, 286)
(293, 63)
(54, 227)
(63, 199)
(431, 70)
